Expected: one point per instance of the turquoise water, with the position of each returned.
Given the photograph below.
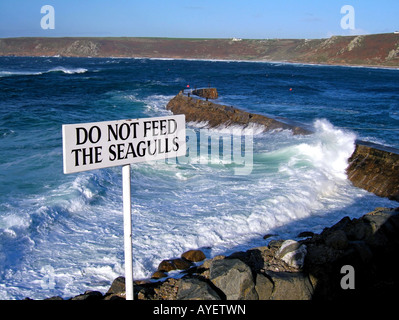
(63, 234)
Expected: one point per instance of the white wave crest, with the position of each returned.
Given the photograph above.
(36, 73)
(68, 70)
(330, 150)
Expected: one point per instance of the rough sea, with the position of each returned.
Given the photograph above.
(63, 234)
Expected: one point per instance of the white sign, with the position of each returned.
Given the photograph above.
(99, 145)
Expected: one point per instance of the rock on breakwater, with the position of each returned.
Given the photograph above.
(208, 93)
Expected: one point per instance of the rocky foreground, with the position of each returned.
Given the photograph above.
(354, 259)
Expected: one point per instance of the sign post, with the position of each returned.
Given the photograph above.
(127, 231)
(97, 145)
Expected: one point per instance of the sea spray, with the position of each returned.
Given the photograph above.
(331, 150)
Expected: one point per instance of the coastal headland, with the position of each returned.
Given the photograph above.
(352, 260)
(380, 50)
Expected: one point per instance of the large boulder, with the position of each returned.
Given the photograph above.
(208, 93)
(369, 245)
(117, 286)
(292, 253)
(234, 278)
(284, 286)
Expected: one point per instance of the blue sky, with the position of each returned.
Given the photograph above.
(255, 19)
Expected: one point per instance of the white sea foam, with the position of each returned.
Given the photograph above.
(18, 73)
(33, 73)
(331, 150)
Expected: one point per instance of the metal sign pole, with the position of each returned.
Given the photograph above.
(127, 229)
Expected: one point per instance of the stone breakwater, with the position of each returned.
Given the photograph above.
(197, 110)
(375, 169)
(371, 167)
(314, 268)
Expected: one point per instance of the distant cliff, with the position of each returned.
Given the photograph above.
(370, 50)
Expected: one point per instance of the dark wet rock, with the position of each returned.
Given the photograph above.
(166, 266)
(89, 296)
(305, 234)
(284, 286)
(117, 286)
(193, 255)
(183, 264)
(55, 298)
(158, 275)
(375, 169)
(208, 93)
(191, 288)
(368, 244)
(267, 236)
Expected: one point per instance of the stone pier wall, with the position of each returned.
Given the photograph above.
(375, 169)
